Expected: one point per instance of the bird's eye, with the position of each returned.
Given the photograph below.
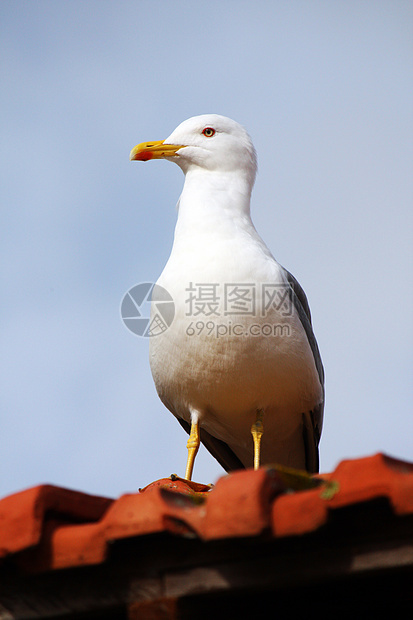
(208, 132)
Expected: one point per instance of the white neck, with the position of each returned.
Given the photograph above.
(215, 239)
(212, 200)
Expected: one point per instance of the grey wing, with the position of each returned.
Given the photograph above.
(313, 420)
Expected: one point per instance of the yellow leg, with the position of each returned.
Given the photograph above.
(192, 445)
(257, 430)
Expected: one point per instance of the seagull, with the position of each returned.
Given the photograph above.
(239, 365)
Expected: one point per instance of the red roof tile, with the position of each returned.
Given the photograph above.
(47, 527)
(357, 481)
(24, 515)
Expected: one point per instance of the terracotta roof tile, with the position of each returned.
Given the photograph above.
(24, 515)
(356, 481)
(48, 528)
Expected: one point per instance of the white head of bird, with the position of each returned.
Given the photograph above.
(209, 142)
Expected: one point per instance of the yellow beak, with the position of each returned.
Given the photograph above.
(154, 150)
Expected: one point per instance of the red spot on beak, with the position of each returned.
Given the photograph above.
(143, 156)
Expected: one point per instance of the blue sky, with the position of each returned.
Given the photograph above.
(325, 90)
